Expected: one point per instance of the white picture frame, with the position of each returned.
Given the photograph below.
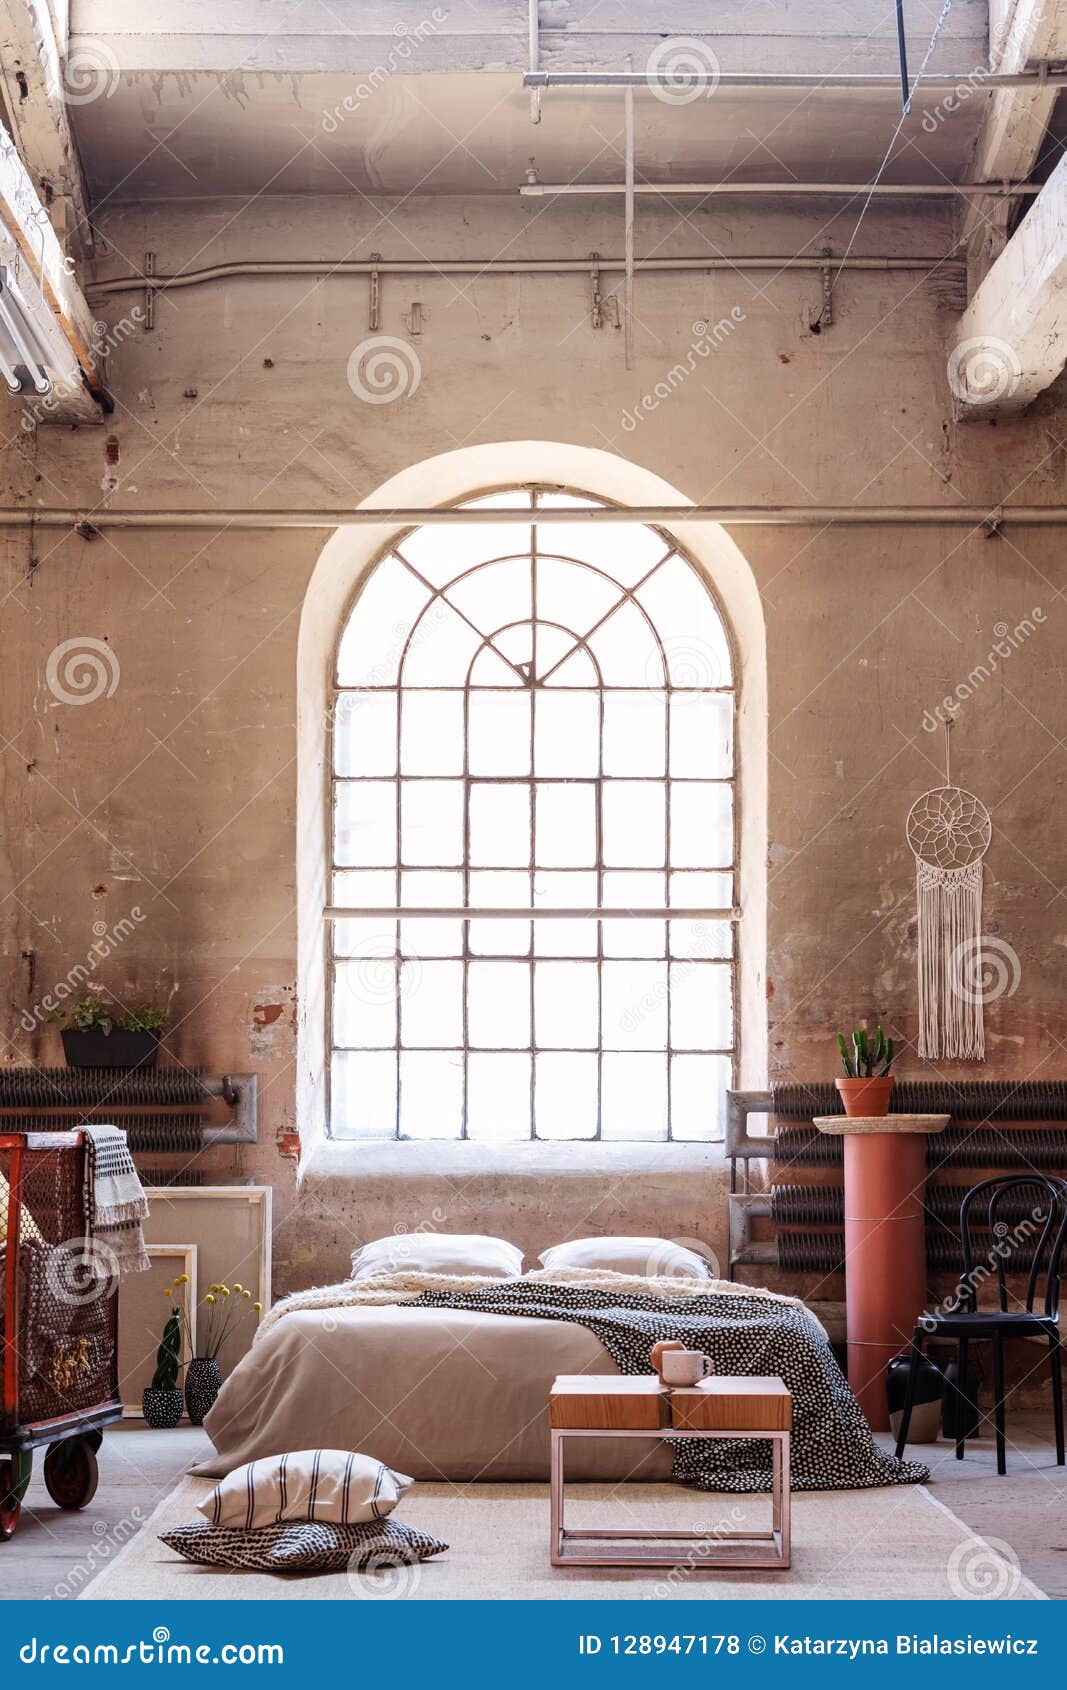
(143, 1314)
(231, 1228)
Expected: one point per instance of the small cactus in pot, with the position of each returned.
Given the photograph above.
(867, 1081)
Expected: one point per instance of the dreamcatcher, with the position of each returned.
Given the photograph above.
(949, 832)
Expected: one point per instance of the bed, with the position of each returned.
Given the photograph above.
(448, 1379)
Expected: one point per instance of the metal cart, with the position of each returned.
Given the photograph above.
(59, 1328)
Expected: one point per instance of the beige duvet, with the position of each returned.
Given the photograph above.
(436, 1393)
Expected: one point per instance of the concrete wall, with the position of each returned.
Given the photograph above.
(173, 793)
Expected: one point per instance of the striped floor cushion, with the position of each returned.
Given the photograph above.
(332, 1485)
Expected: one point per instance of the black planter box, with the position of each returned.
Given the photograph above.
(117, 1049)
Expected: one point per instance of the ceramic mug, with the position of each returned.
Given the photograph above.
(684, 1367)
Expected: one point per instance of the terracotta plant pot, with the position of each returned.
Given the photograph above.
(866, 1097)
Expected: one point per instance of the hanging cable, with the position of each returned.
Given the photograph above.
(902, 49)
(908, 93)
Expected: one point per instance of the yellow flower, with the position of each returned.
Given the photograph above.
(237, 1287)
(247, 1295)
(216, 1288)
(169, 1292)
(258, 1307)
(182, 1279)
(209, 1298)
(224, 1290)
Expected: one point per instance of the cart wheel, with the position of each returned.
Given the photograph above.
(15, 1473)
(71, 1473)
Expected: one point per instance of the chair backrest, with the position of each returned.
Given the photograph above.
(1026, 1219)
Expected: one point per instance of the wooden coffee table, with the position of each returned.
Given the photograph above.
(638, 1406)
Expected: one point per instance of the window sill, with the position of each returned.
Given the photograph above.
(331, 1159)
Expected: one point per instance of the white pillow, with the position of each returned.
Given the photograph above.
(456, 1253)
(648, 1258)
(311, 1484)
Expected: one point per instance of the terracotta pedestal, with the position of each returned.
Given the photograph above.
(885, 1243)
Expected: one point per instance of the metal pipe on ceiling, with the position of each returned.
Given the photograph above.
(1043, 77)
(885, 190)
(495, 267)
(628, 232)
(87, 521)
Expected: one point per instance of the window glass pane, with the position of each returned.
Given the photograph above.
(498, 1005)
(490, 669)
(499, 733)
(364, 999)
(431, 1094)
(382, 616)
(698, 1096)
(634, 823)
(572, 595)
(432, 937)
(576, 669)
(627, 650)
(431, 820)
(635, 938)
(625, 552)
(557, 890)
(566, 1005)
(431, 889)
(635, 733)
(516, 646)
(689, 626)
(567, 733)
(363, 1094)
(561, 938)
(431, 1004)
(498, 1097)
(701, 939)
(497, 593)
(499, 825)
(442, 553)
(507, 890)
(635, 1006)
(365, 822)
(634, 891)
(500, 938)
(702, 734)
(368, 936)
(634, 1097)
(364, 733)
(565, 1095)
(701, 1014)
(696, 891)
(702, 832)
(358, 888)
(566, 826)
(441, 649)
(431, 733)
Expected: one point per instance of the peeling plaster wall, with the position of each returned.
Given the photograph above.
(168, 802)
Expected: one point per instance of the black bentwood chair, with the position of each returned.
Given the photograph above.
(1013, 1227)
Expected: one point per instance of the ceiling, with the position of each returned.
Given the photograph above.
(396, 97)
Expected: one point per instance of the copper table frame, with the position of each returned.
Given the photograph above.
(768, 1551)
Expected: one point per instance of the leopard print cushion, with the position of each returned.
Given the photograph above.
(303, 1546)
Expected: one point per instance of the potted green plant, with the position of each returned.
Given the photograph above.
(867, 1082)
(161, 1403)
(103, 1035)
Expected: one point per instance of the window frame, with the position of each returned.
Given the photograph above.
(468, 913)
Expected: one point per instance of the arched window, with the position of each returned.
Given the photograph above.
(533, 837)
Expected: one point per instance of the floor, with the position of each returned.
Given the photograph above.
(55, 1555)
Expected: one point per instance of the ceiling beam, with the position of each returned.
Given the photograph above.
(1011, 342)
(36, 100)
(30, 248)
(1022, 33)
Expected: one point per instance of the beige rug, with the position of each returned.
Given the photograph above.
(846, 1544)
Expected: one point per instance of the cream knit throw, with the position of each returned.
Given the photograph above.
(405, 1287)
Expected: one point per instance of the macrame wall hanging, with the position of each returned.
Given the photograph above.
(949, 832)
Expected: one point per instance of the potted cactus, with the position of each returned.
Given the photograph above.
(867, 1082)
(161, 1403)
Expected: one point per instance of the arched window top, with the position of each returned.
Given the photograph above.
(559, 604)
(533, 833)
